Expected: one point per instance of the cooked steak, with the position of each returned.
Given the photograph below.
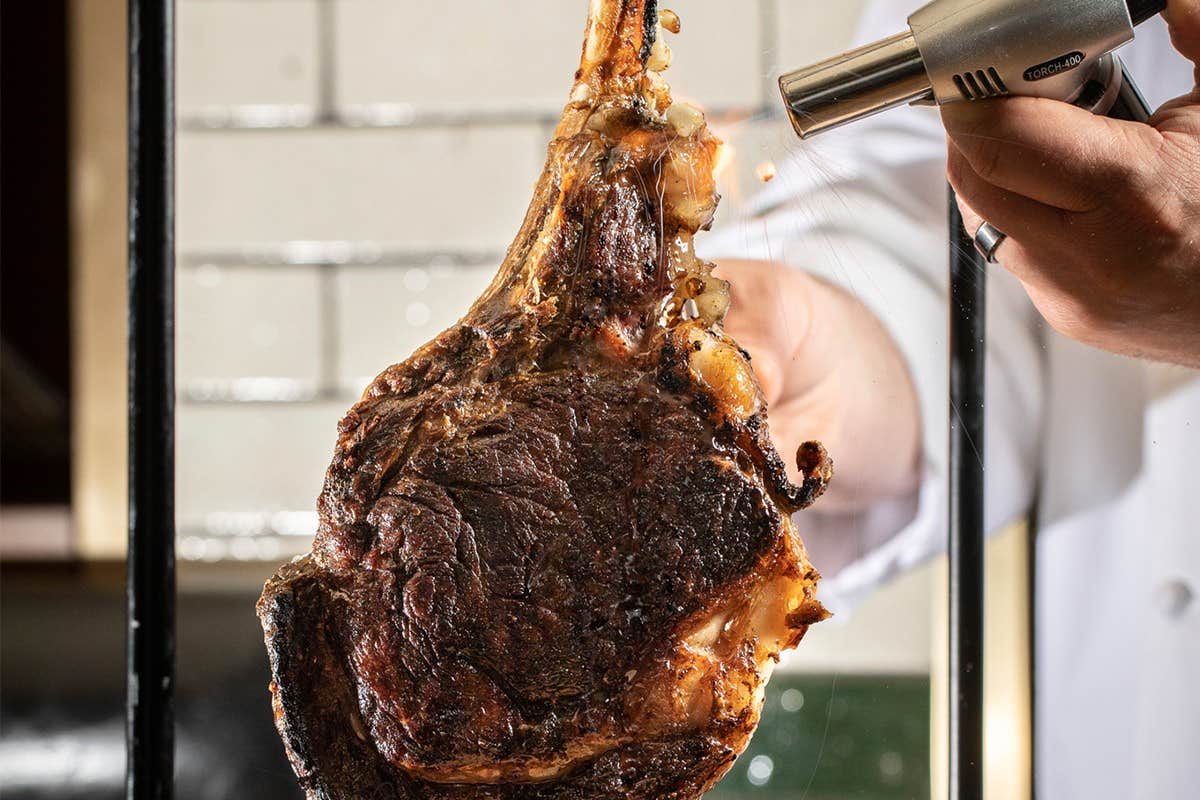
(556, 557)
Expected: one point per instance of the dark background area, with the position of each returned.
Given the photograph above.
(860, 737)
(34, 251)
(62, 704)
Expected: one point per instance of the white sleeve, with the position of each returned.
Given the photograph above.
(868, 212)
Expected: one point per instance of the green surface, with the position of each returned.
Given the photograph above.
(827, 737)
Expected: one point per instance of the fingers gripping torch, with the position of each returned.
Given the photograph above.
(964, 51)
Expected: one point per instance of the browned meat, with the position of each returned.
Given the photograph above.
(556, 558)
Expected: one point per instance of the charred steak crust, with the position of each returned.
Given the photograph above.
(555, 556)
(334, 760)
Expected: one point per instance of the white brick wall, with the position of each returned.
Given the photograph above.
(434, 56)
(810, 31)
(241, 322)
(247, 52)
(389, 312)
(445, 57)
(252, 457)
(385, 145)
(415, 189)
(720, 56)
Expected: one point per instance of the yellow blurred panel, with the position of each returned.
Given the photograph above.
(1006, 676)
(98, 246)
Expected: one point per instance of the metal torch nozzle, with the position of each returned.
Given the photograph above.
(856, 84)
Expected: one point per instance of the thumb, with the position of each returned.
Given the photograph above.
(1183, 17)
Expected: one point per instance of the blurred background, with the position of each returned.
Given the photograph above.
(349, 175)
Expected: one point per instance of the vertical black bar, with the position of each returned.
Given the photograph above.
(968, 355)
(150, 712)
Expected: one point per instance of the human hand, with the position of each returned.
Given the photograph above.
(830, 372)
(1103, 216)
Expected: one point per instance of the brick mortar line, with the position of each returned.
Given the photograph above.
(395, 259)
(419, 121)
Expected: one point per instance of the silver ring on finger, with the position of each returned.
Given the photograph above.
(988, 239)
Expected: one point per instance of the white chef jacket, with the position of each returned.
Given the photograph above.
(1106, 444)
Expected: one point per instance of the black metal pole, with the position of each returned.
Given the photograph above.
(150, 712)
(968, 355)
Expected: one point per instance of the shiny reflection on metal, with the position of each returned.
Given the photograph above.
(988, 239)
(968, 359)
(959, 38)
(854, 85)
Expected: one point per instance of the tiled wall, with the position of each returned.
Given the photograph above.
(350, 172)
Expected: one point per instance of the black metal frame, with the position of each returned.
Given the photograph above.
(150, 708)
(968, 359)
(151, 559)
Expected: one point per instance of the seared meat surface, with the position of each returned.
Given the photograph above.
(556, 557)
